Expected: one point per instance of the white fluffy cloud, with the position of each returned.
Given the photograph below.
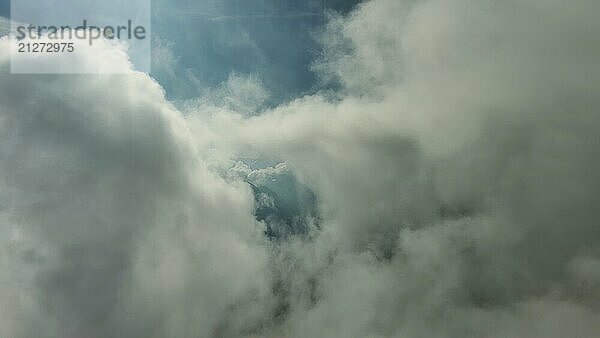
(456, 172)
(111, 226)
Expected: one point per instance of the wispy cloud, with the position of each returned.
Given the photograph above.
(4, 26)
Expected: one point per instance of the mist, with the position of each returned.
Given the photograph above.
(440, 180)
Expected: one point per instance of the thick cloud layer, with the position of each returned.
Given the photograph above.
(111, 226)
(455, 172)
